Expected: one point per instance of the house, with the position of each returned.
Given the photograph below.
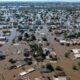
(26, 52)
(65, 42)
(45, 51)
(6, 32)
(45, 70)
(2, 43)
(40, 42)
(76, 53)
(26, 72)
(2, 55)
(60, 75)
(76, 41)
(23, 73)
(38, 22)
(30, 70)
(20, 64)
(60, 78)
(62, 41)
(43, 34)
(2, 40)
(53, 53)
(42, 78)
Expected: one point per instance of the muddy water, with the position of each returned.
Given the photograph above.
(60, 50)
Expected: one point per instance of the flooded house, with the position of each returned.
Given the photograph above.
(2, 55)
(2, 40)
(60, 76)
(76, 53)
(26, 52)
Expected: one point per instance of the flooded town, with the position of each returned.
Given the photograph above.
(39, 41)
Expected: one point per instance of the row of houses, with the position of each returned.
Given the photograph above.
(72, 42)
(57, 76)
(60, 75)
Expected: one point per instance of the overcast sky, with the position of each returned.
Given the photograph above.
(43, 0)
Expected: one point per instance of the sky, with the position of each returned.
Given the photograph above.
(41, 0)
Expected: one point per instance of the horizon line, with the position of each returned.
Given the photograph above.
(46, 1)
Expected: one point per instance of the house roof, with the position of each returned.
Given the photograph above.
(2, 37)
(62, 41)
(23, 73)
(60, 74)
(77, 55)
(20, 63)
(76, 51)
(1, 53)
(60, 78)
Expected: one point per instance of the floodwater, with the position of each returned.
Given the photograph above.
(60, 50)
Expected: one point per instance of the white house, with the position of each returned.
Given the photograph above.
(60, 78)
(76, 53)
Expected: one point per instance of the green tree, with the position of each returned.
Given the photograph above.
(75, 67)
(19, 38)
(26, 35)
(50, 67)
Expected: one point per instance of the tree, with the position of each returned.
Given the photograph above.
(19, 38)
(26, 35)
(54, 58)
(28, 61)
(13, 41)
(8, 19)
(79, 64)
(50, 67)
(12, 61)
(34, 47)
(67, 54)
(21, 31)
(59, 68)
(68, 78)
(50, 29)
(33, 37)
(78, 34)
(44, 39)
(67, 44)
(75, 67)
(40, 52)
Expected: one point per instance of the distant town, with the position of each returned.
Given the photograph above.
(39, 41)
